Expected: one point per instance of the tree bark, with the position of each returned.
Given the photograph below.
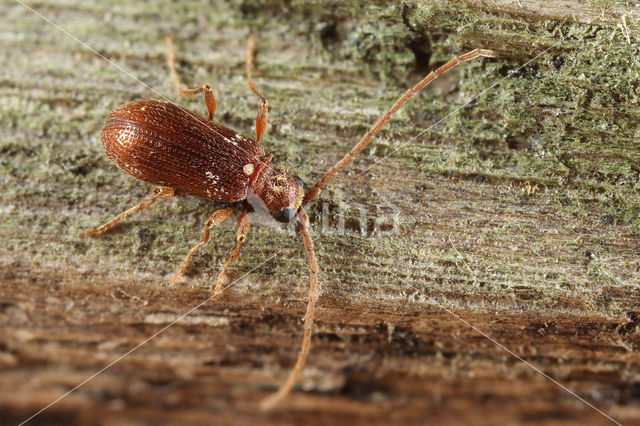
(478, 261)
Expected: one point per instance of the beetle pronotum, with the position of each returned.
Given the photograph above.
(182, 153)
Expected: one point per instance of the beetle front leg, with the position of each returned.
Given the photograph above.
(243, 229)
(209, 97)
(162, 192)
(215, 218)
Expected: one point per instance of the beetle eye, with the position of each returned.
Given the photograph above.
(284, 216)
(300, 182)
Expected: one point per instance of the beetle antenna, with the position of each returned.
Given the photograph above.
(347, 159)
(272, 400)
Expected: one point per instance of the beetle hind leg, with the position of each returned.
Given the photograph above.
(162, 192)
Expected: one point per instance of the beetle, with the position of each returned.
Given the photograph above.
(180, 152)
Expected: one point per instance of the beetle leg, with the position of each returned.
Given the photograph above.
(163, 192)
(243, 229)
(215, 218)
(209, 97)
(261, 119)
(272, 400)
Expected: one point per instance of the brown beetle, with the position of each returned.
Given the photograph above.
(182, 153)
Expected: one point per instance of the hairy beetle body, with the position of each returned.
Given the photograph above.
(164, 144)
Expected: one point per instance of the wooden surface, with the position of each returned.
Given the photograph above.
(516, 217)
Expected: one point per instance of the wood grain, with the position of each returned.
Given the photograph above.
(518, 214)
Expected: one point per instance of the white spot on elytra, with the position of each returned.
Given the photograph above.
(213, 178)
(230, 141)
(124, 136)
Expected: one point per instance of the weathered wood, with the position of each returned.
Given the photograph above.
(519, 214)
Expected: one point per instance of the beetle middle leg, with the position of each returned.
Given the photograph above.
(215, 218)
(209, 97)
(162, 192)
(261, 119)
(243, 229)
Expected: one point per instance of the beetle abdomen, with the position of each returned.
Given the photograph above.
(163, 144)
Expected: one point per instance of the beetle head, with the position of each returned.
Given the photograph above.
(280, 192)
